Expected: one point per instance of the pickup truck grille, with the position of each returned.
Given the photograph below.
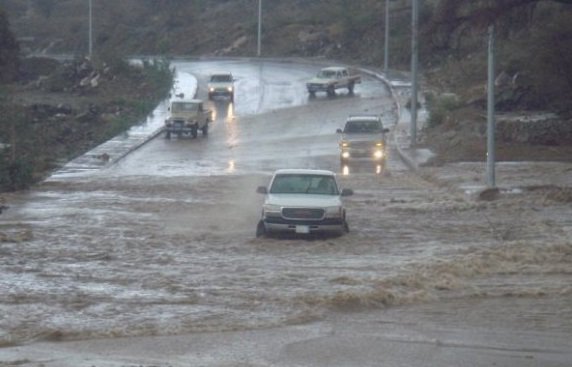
(362, 144)
(302, 213)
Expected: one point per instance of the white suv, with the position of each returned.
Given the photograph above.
(221, 84)
(303, 201)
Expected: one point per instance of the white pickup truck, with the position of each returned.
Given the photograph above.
(332, 78)
(303, 201)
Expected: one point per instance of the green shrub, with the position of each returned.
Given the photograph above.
(440, 107)
(15, 175)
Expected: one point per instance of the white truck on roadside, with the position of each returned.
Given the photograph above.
(332, 78)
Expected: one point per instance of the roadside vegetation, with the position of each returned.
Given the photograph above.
(54, 111)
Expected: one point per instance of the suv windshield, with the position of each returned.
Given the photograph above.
(304, 184)
(222, 78)
(366, 127)
(184, 107)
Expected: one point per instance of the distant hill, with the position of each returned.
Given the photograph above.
(533, 44)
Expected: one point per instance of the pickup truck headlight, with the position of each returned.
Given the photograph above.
(345, 144)
(229, 89)
(378, 154)
(271, 209)
(211, 89)
(333, 212)
(345, 154)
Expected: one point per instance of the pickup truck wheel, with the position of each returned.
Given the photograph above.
(351, 88)
(168, 135)
(260, 229)
(331, 91)
(210, 96)
(194, 131)
(232, 97)
(312, 93)
(205, 129)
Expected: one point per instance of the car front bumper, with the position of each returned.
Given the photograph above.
(318, 87)
(377, 155)
(220, 92)
(329, 225)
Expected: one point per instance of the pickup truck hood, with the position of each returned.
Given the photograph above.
(303, 200)
(219, 85)
(182, 116)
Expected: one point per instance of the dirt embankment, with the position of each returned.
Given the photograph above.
(58, 110)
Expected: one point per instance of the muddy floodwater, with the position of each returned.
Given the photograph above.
(161, 243)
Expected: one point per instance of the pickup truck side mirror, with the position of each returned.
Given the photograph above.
(347, 192)
(261, 190)
(339, 131)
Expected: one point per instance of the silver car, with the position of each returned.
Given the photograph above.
(221, 84)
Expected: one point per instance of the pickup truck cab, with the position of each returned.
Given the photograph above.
(221, 84)
(303, 201)
(363, 137)
(332, 78)
(187, 117)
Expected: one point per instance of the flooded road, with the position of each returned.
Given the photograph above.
(162, 243)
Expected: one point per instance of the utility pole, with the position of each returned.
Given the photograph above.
(491, 109)
(414, 61)
(386, 45)
(259, 26)
(90, 31)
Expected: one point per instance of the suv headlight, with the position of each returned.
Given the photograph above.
(229, 89)
(333, 212)
(378, 154)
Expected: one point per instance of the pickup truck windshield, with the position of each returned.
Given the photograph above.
(184, 107)
(221, 78)
(326, 74)
(304, 184)
(363, 127)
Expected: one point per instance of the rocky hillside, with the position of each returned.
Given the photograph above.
(53, 111)
(532, 45)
